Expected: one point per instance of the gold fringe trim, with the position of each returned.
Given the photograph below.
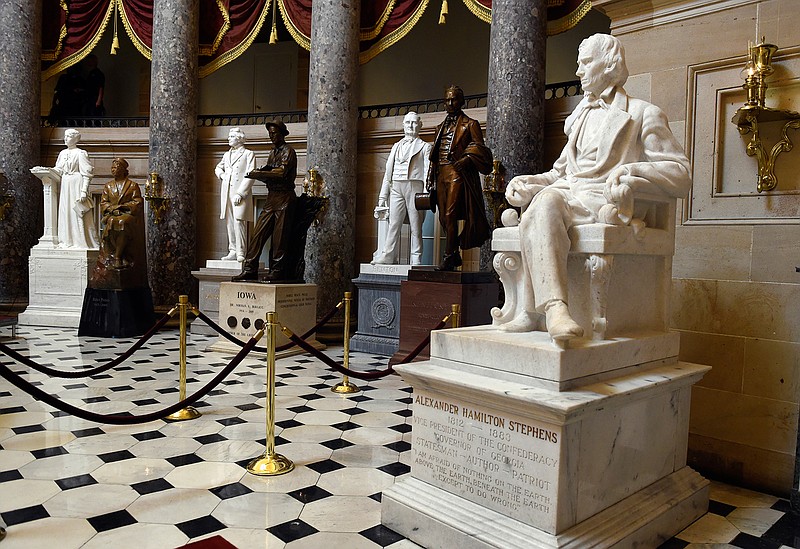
(567, 22)
(479, 10)
(303, 40)
(393, 37)
(233, 53)
(78, 56)
(53, 55)
(372, 33)
(223, 30)
(443, 13)
(141, 46)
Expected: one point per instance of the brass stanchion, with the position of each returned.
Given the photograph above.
(189, 412)
(345, 387)
(455, 315)
(270, 463)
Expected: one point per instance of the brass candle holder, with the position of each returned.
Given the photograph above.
(748, 117)
(154, 195)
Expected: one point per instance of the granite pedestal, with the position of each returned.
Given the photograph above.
(243, 308)
(378, 308)
(428, 296)
(58, 279)
(518, 443)
(116, 313)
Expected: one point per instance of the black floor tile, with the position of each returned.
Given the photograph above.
(292, 530)
(381, 535)
(109, 521)
(200, 526)
(309, 494)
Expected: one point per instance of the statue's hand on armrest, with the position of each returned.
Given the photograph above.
(521, 189)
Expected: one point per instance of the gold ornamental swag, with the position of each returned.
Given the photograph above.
(71, 29)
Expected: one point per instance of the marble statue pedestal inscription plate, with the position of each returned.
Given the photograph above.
(58, 279)
(243, 308)
(378, 308)
(499, 461)
(428, 296)
(117, 312)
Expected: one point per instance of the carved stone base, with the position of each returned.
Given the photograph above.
(58, 279)
(378, 308)
(116, 313)
(243, 308)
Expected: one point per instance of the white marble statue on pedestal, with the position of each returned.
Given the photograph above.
(406, 169)
(236, 198)
(617, 146)
(75, 227)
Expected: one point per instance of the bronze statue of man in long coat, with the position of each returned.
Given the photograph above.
(457, 156)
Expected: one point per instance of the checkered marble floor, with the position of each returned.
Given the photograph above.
(79, 484)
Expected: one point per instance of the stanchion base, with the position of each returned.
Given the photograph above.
(182, 415)
(345, 388)
(270, 465)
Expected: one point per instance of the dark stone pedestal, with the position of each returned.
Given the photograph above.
(378, 309)
(116, 313)
(428, 296)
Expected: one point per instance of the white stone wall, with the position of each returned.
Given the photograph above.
(736, 295)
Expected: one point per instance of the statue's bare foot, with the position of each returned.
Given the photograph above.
(524, 322)
(560, 325)
(229, 257)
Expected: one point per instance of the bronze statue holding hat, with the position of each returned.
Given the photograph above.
(277, 217)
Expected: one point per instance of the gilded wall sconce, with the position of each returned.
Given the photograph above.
(6, 201)
(748, 117)
(154, 194)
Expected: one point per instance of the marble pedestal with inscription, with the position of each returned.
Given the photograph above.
(517, 443)
(243, 308)
(378, 308)
(58, 280)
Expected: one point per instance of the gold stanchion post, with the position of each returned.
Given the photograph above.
(455, 315)
(189, 412)
(270, 463)
(345, 387)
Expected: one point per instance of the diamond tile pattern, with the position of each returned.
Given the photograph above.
(351, 458)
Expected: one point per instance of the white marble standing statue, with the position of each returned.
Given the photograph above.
(75, 225)
(236, 198)
(616, 146)
(406, 169)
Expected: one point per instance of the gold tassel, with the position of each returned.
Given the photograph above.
(443, 13)
(273, 36)
(115, 41)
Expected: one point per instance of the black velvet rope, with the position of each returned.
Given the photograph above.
(333, 364)
(115, 419)
(11, 353)
(236, 341)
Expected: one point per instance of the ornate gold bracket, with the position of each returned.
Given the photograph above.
(154, 194)
(748, 117)
(314, 186)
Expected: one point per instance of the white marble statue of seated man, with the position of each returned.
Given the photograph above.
(616, 146)
(406, 169)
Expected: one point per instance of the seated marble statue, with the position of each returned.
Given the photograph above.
(75, 225)
(617, 146)
(122, 246)
(406, 169)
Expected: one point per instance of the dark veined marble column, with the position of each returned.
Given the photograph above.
(173, 148)
(20, 90)
(515, 104)
(332, 138)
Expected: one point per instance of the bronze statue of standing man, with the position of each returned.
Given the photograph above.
(457, 156)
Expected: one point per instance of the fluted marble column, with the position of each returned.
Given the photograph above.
(332, 138)
(173, 147)
(20, 49)
(515, 105)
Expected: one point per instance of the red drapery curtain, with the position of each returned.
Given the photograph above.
(72, 28)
